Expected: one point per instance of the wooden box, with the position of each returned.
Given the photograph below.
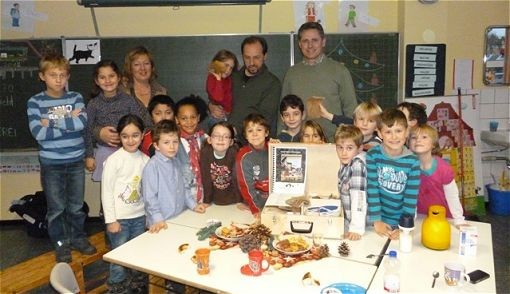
(309, 171)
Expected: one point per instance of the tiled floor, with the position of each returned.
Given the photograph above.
(17, 246)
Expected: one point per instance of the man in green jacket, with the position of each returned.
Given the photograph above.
(254, 88)
(320, 76)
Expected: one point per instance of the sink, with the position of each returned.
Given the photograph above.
(499, 138)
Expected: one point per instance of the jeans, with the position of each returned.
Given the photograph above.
(64, 186)
(130, 229)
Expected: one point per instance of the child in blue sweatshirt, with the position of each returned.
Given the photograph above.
(393, 175)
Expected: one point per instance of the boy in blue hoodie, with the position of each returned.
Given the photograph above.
(393, 175)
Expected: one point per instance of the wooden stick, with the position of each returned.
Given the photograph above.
(461, 147)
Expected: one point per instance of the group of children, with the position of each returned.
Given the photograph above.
(168, 164)
(384, 156)
(188, 169)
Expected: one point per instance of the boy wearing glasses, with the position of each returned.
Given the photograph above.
(217, 163)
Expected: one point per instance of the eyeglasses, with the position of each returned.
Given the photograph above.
(219, 137)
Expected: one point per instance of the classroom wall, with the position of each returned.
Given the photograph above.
(277, 16)
(459, 24)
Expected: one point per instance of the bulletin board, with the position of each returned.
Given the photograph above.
(425, 70)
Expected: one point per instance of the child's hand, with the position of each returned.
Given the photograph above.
(216, 111)
(90, 164)
(45, 122)
(352, 236)
(76, 112)
(200, 208)
(155, 228)
(382, 229)
(325, 113)
(109, 136)
(395, 234)
(216, 75)
(242, 206)
(113, 227)
(271, 140)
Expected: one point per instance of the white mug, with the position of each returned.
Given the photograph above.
(455, 274)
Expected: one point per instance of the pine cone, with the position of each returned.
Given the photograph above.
(260, 231)
(249, 242)
(323, 251)
(344, 249)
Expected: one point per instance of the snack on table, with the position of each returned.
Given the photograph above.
(183, 247)
(231, 231)
(292, 244)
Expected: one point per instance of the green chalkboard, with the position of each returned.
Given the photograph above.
(181, 63)
(19, 75)
(372, 60)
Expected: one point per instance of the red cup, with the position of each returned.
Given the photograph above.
(257, 263)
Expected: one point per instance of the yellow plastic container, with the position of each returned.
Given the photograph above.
(435, 230)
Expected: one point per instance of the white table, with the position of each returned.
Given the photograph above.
(224, 213)
(370, 243)
(158, 254)
(418, 265)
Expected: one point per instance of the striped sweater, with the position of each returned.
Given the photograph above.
(62, 140)
(392, 184)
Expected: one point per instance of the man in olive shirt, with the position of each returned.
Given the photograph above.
(318, 75)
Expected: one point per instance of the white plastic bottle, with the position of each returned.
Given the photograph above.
(392, 274)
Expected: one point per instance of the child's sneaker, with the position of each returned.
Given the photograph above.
(138, 285)
(63, 253)
(117, 288)
(174, 287)
(83, 245)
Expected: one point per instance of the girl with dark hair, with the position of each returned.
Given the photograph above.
(105, 110)
(123, 206)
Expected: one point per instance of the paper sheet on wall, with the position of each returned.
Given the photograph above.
(24, 163)
(463, 74)
(20, 15)
(470, 117)
(308, 11)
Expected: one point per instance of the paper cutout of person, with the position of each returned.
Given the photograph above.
(15, 14)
